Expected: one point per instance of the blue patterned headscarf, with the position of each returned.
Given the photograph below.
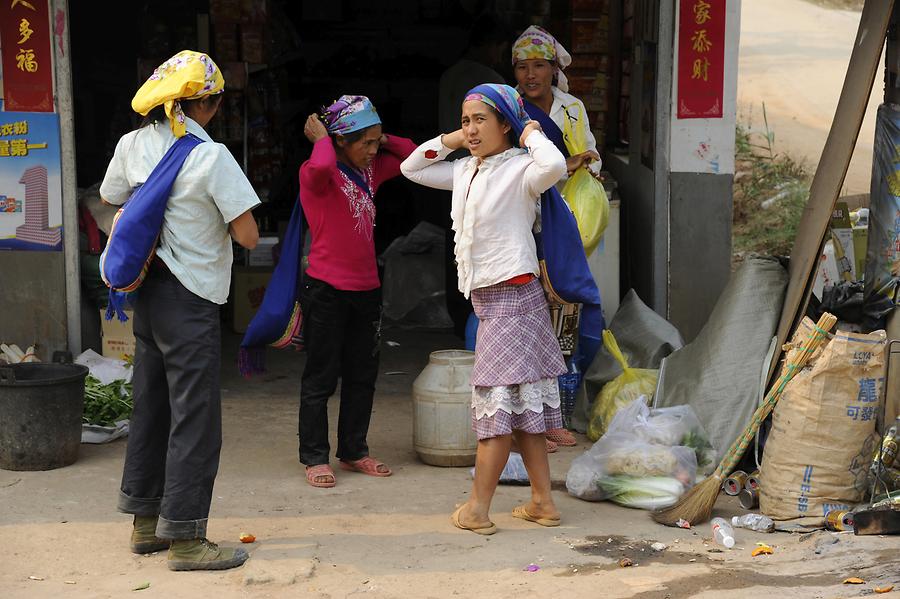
(349, 114)
(508, 97)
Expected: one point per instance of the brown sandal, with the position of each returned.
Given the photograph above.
(320, 471)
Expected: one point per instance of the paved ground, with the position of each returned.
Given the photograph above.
(390, 537)
(793, 57)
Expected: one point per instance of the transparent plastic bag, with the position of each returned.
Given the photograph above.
(514, 473)
(619, 392)
(583, 193)
(630, 467)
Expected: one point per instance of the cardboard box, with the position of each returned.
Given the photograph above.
(117, 337)
(248, 289)
(842, 234)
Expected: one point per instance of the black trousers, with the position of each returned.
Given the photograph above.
(175, 432)
(342, 331)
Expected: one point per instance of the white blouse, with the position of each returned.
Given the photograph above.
(494, 205)
(567, 107)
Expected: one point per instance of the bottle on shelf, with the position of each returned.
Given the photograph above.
(723, 534)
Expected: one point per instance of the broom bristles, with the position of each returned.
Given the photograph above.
(694, 506)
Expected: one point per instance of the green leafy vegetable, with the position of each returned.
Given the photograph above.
(700, 445)
(106, 404)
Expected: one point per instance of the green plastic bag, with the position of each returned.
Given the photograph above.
(619, 392)
(583, 193)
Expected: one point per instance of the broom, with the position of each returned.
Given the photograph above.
(697, 504)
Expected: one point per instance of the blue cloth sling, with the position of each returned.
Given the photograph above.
(279, 319)
(355, 177)
(548, 126)
(560, 250)
(135, 232)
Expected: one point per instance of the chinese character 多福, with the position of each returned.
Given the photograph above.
(700, 42)
(25, 31)
(701, 12)
(25, 60)
(701, 69)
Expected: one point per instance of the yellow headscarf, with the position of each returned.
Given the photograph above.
(186, 76)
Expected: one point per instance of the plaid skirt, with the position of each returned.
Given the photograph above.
(517, 360)
(515, 343)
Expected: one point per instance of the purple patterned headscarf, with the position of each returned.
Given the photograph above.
(349, 114)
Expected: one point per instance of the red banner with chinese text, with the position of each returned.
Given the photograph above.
(27, 63)
(701, 59)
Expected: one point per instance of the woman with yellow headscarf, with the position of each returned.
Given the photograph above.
(175, 432)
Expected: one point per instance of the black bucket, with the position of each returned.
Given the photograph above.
(41, 408)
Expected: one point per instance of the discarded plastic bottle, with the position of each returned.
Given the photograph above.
(722, 532)
(756, 522)
(568, 390)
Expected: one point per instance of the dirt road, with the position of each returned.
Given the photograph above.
(793, 57)
(389, 538)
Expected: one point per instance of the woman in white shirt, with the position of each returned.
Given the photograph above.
(517, 359)
(538, 63)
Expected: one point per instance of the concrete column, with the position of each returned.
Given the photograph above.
(701, 169)
(65, 107)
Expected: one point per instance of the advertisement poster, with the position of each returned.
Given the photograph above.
(30, 182)
(701, 59)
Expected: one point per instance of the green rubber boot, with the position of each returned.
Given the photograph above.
(201, 554)
(143, 537)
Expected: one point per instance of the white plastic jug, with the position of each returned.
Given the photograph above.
(442, 410)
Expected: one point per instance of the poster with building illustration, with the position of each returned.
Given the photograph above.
(30, 182)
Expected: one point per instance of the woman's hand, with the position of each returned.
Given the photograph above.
(382, 140)
(573, 163)
(314, 129)
(531, 126)
(455, 140)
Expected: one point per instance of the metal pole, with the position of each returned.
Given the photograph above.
(59, 22)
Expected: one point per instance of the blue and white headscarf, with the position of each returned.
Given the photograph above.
(511, 100)
(349, 114)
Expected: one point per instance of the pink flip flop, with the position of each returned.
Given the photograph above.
(367, 465)
(320, 471)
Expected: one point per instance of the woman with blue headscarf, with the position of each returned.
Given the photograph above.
(496, 192)
(341, 294)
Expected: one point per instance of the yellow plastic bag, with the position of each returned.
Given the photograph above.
(583, 193)
(619, 392)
